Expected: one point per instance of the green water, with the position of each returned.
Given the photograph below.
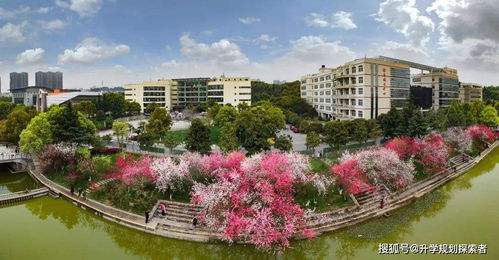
(12, 182)
(463, 211)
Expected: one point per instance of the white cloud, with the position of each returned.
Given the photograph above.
(121, 69)
(317, 20)
(90, 51)
(403, 17)
(12, 32)
(468, 32)
(404, 51)
(9, 14)
(317, 49)
(222, 52)
(43, 10)
(30, 57)
(249, 20)
(341, 20)
(84, 8)
(53, 25)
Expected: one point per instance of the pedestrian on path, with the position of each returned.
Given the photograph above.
(162, 209)
(147, 216)
(72, 189)
(195, 221)
(382, 202)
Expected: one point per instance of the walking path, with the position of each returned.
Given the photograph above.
(14, 197)
(177, 222)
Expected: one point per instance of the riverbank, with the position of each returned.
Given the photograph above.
(320, 223)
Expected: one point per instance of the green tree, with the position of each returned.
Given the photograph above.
(37, 134)
(159, 123)
(121, 130)
(489, 116)
(146, 139)
(336, 134)
(436, 119)
(69, 125)
(242, 106)
(113, 103)
(374, 130)
(417, 125)
(87, 108)
(455, 115)
(213, 110)
(171, 141)
(226, 114)
(359, 130)
(228, 138)
(313, 140)
(5, 109)
(257, 124)
(477, 106)
(151, 107)
(198, 138)
(284, 143)
(132, 107)
(390, 122)
(15, 123)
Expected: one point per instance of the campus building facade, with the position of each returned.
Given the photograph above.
(168, 93)
(469, 92)
(363, 88)
(368, 87)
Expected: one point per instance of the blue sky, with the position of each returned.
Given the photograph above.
(124, 41)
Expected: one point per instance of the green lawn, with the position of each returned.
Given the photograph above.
(181, 135)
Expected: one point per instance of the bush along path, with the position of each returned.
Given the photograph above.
(260, 199)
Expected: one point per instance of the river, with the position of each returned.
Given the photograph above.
(464, 211)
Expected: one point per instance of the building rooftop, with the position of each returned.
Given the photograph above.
(67, 96)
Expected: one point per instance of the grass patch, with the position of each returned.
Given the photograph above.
(181, 135)
(319, 165)
(308, 198)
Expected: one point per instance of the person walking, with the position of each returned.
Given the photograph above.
(382, 202)
(147, 216)
(194, 222)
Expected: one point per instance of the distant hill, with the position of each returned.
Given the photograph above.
(108, 89)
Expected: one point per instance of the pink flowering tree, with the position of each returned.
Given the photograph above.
(481, 136)
(373, 168)
(405, 147)
(458, 139)
(131, 171)
(434, 154)
(252, 198)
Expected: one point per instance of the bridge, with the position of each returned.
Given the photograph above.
(16, 159)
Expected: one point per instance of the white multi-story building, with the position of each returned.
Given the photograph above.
(226, 90)
(168, 93)
(363, 88)
(444, 84)
(469, 92)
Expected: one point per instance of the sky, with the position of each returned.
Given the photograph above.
(115, 42)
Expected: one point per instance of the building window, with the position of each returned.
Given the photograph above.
(360, 114)
(347, 71)
(322, 78)
(361, 68)
(361, 80)
(328, 85)
(328, 77)
(321, 100)
(361, 102)
(354, 70)
(304, 93)
(353, 91)
(322, 86)
(360, 91)
(328, 93)
(316, 99)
